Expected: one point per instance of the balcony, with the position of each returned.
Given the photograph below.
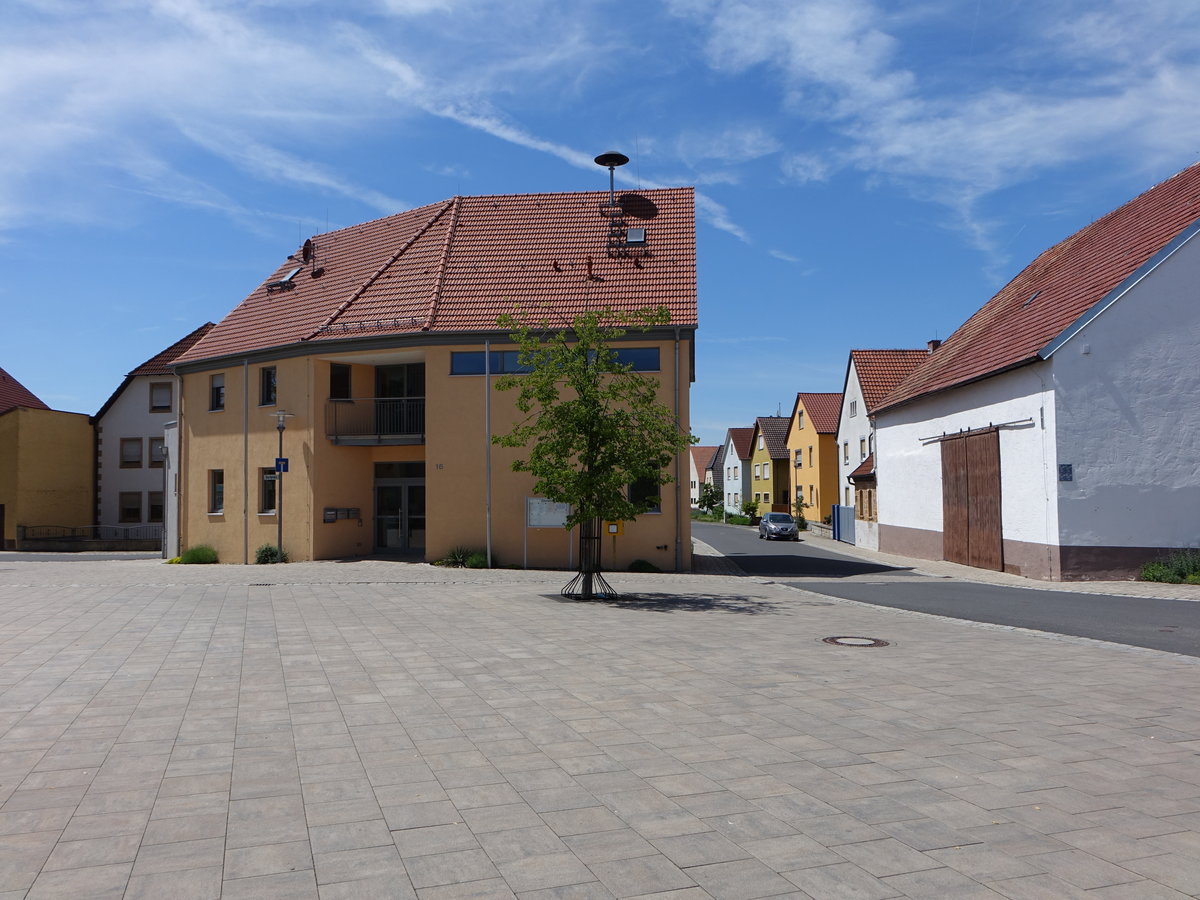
(374, 421)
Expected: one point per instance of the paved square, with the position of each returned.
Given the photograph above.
(377, 729)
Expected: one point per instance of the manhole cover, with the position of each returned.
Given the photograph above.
(847, 641)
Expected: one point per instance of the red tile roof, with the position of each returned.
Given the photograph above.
(741, 438)
(702, 457)
(1058, 287)
(879, 371)
(460, 264)
(14, 394)
(823, 410)
(865, 469)
(160, 363)
(774, 430)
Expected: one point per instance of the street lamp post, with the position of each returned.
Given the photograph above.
(281, 417)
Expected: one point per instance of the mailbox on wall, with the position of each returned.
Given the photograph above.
(333, 513)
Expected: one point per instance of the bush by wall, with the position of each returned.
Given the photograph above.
(198, 555)
(1180, 567)
(268, 554)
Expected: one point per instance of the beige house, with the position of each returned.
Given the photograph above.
(367, 362)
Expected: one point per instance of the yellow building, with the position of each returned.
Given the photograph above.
(769, 483)
(46, 468)
(368, 345)
(812, 446)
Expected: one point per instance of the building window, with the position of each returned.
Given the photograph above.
(216, 491)
(267, 480)
(647, 489)
(129, 508)
(846, 453)
(757, 471)
(766, 471)
(799, 459)
(799, 419)
(131, 453)
(847, 496)
(812, 496)
(266, 386)
(160, 396)
(216, 392)
(760, 442)
(339, 382)
(158, 452)
(810, 462)
(508, 362)
(862, 448)
(853, 408)
(155, 511)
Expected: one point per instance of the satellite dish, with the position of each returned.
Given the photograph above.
(307, 253)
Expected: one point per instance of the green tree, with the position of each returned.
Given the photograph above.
(592, 427)
(710, 498)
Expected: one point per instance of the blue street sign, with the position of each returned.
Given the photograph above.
(281, 464)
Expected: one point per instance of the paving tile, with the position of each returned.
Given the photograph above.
(155, 859)
(433, 839)
(500, 818)
(488, 889)
(286, 886)
(94, 882)
(532, 873)
(450, 868)
(643, 875)
(186, 884)
(516, 843)
(268, 859)
(185, 828)
(606, 846)
(103, 851)
(743, 879)
(844, 881)
(355, 865)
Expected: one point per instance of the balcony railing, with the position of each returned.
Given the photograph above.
(376, 420)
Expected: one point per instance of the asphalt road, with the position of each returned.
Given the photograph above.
(1169, 625)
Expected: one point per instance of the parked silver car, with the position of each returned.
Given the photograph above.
(778, 525)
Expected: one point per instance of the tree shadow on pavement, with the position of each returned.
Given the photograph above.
(670, 603)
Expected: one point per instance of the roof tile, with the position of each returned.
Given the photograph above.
(1054, 290)
(14, 394)
(823, 410)
(879, 371)
(460, 264)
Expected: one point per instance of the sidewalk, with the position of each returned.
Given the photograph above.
(943, 569)
(375, 729)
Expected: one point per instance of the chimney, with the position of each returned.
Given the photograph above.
(933, 345)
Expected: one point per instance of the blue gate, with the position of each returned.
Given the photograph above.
(843, 524)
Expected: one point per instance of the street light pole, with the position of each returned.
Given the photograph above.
(281, 417)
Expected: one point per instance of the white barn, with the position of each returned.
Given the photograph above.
(1056, 434)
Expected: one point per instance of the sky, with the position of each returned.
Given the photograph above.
(868, 173)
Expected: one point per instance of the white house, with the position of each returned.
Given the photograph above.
(735, 462)
(1055, 434)
(870, 375)
(699, 458)
(131, 490)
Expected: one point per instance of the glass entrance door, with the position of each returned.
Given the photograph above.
(399, 514)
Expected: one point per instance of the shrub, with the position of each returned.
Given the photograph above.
(642, 565)
(1178, 568)
(198, 555)
(737, 520)
(173, 561)
(268, 554)
(477, 560)
(457, 557)
(750, 508)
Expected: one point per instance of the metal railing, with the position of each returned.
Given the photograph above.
(147, 532)
(377, 420)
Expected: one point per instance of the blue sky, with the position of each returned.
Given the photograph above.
(868, 173)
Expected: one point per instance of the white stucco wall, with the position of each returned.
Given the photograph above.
(852, 430)
(735, 486)
(909, 469)
(1128, 412)
(130, 417)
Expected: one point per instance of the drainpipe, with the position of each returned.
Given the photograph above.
(245, 462)
(181, 493)
(678, 488)
(487, 452)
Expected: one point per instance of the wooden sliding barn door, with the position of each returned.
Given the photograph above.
(971, 526)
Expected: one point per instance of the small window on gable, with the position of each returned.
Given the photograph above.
(799, 419)
(216, 392)
(760, 442)
(853, 408)
(160, 396)
(266, 386)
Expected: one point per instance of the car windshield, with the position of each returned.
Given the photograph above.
(778, 518)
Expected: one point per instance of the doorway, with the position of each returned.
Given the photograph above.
(400, 507)
(972, 532)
